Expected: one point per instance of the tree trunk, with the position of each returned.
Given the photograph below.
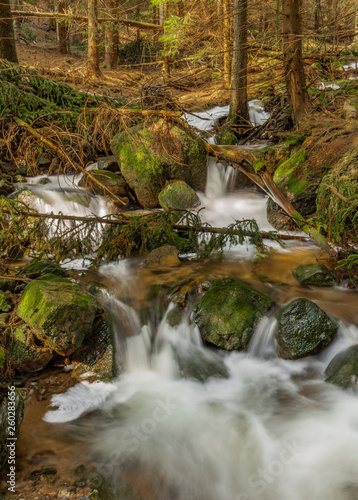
(62, 30)
(7, 37)
(226, 42)
(111, 49)
(293, 61)
(93, 52)
(317, 15)
(239, 111)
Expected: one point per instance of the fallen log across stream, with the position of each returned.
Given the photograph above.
(257, 172)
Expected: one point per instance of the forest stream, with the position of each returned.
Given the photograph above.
(182, 420)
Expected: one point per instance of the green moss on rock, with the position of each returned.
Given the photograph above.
(228, 313)
(178, 195)
(303, 329)
(60, 313)
(41, 267)
(6, 301)
(150, 157)
(23, 352)
(225, 136)
(343, 369)
(314, 275)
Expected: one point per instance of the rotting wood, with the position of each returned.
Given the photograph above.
(72, 17)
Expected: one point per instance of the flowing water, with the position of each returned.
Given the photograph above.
(185, 422)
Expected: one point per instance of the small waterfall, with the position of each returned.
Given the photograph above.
(262, 344)
(220, 177)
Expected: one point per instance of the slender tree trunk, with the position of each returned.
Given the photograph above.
(62, 30)
(7, 37)
(111, 35)
(277, 19)
(226, 42)
(293, 60)
(239, 111)
(166, 59)
(317, 15)
(93, 52)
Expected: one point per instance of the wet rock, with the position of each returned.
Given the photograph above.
(315, 275)
(152, 156)
(42, 267)
(114, 182)
(15, 400)
(109, 163)
(199, 364)
(44, 180)
(228, 313)
(303, 329)
(95, 356)
(343, 369)
(6, 301)
(178, 195)
(182, 294)
(6, 187)
(44, 161)
(174, 317)
(350, 108)
(60, 313)
(166, 255)
(24, 354)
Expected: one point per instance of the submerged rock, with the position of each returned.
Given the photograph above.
(199, 364)
(303, 329)
(60, 313)
(114, 182)
(343, 369)
(178, 195)
(166, 255)
(159, 153)
(315, 275)
(228, 313)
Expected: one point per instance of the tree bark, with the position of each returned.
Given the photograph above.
(7, 36)
(93, 52)
(62, 30)
(226, 42)
(111, 48)
(293, 61)
(239, 110)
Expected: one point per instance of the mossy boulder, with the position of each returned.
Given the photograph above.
(303, 329)
(178, 195)
(166, 255)
(228, 313)
(6, 301)
(24, 354)
(343, 369)
(42, 267)
(314, 275)
(159, 153)
(95, 357)
(60, 313)
(114, 182)
(16, 401)
(7, 285)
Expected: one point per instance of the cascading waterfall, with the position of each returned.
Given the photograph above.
(198, 424)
